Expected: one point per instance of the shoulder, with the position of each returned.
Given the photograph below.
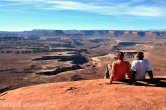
(135, 62)
(127, 62)
(145, 60)
(114, 63)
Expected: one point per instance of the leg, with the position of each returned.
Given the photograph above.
(107, 72)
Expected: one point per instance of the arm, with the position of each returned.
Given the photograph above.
(111, 79)
(133, 71)
(112, 73)
(151, 76)
(129, 71)
(149, 71)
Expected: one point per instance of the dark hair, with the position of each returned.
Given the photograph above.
(120, 55)
(140, 55)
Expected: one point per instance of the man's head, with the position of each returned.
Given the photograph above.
(139, 55)
(120, 55)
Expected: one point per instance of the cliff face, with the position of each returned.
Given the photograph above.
(84, 95)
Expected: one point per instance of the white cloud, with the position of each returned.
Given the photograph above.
(114, 9)
(131, 7)
(147, 11)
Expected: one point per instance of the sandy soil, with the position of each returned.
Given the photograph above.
(85, 95)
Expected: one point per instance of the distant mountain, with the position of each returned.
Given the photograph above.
(71, 31)
(84, 33)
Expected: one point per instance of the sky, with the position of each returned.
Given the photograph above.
(19, 15)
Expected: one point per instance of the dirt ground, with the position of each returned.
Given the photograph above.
(85, 95)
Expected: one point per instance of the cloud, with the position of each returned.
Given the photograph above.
(102, 7)
(112, 9)
(147, 11)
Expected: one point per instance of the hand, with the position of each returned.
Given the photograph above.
(152, 81)
(110, 82)
(130, 82)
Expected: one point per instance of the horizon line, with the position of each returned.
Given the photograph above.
(85, 30)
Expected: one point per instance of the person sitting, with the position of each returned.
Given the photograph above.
(140, 67)
(120, 68)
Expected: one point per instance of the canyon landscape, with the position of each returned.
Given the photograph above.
(59, 69)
